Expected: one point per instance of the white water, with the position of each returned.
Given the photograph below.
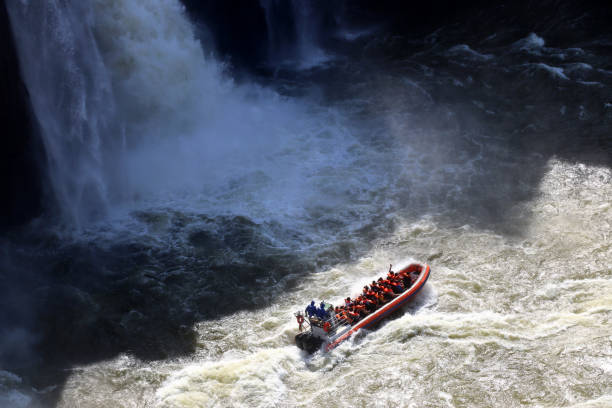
(153, 121)
(503, 321)
(72, 99)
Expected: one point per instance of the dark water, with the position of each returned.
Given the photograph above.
(220, 208)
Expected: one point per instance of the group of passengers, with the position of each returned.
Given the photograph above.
(372, 297)
(320, 313)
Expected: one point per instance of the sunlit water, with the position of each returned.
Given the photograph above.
(504, 321)
(517, 309)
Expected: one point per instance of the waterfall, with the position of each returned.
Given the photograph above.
(134, 112)
(107, 79)
(293, 30)
(71, 98)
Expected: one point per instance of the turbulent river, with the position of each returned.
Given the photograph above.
(197, 214)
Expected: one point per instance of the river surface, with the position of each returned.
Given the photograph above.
(201, 213)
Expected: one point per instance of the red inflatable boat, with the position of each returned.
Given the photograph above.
(331, 328)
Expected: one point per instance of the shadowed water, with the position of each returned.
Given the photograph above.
(486, 157)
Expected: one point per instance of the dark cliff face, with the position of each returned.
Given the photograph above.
(253, 34)
(21, 151)
(236, 30)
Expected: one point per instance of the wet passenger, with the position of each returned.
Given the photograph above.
(311, 310)
(371, 304)
(360, 308)
(388, 292)
(321, 314)
(351, 316)
(397, 287)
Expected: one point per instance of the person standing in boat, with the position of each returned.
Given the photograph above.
(311, 309)
(321, 312)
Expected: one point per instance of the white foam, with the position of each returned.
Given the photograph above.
(556, 72)
(466, 51)
(578, 66)
(251, 380)
(603, 401)
(532, 43)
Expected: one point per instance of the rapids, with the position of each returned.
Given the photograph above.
(197, 213)
(505, 321)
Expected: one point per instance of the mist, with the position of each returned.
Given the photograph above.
(206, 170)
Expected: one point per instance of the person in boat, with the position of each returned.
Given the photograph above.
(311, 309)
(351, 316)
(389, 292)
(384, 294)
(339, 315)
(360, 308)
(390, 273)
(330, 311)
(371, 296)
(321, 312)
(406, 280)
(409, 277)
(334, 314)
(380, 298)
(384, 285)
(347, 301)
(300, 320)
(396, 285)
(369, 304)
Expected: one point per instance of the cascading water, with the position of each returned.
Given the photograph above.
(293, 31)
(72, 99)
(133, 110)
(230, 206)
